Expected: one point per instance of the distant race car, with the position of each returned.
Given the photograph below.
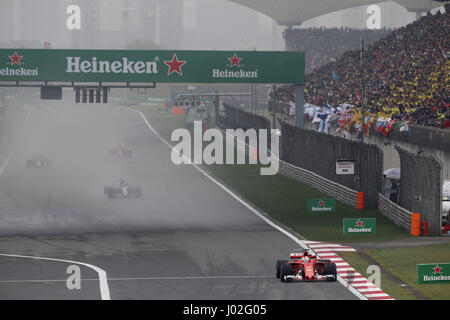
(305, 266)
(120, 152)
(38, 161)
(122, 189)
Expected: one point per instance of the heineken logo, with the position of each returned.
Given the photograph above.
(322, 205)
(359, 225)
(94, 65)
(234, 61)
(433, 273)
(125, 65)
(16, 69)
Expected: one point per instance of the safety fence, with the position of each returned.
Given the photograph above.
(394, 212)
(421, 187)
(319, 152)
(234, 118)
(333, 189)
(426, 137)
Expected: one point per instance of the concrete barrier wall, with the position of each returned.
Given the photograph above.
(333, 189)
(394, 212)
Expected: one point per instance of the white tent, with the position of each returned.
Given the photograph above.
(295, 12)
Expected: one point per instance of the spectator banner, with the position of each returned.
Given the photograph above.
(360, 225)
(433, 273)
(321, 205)
(151, 66)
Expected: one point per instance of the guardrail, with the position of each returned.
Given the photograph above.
(400, 216)
(333, 189)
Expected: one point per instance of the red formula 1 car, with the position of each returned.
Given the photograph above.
(305, 266)
(120, 152)
(37, 161)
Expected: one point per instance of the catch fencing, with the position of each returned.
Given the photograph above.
(234, 118)
(421, 187)
(318, 152)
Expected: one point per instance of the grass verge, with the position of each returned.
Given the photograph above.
(392, 288)
(402, 262)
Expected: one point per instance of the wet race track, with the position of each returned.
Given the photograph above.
(186, 238)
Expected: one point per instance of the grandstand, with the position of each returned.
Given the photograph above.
(323, 45)
(406, 77)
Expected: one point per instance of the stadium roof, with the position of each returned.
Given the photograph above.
(295, 12)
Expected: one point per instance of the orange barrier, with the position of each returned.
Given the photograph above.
(163, 105)
(415, 224)
(360, 201)
(178, 111)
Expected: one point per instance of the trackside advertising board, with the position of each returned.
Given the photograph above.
(359, 225)
(433, 273)
(151, 66)
(321, 205)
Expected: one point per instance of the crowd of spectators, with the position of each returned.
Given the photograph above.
(405, 75)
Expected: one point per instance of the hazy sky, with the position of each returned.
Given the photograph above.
(169, 24)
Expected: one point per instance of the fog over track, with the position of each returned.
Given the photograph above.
(185, 239)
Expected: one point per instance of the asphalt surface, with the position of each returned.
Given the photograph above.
(185, 239)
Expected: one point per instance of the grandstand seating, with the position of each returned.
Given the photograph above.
(406, 77)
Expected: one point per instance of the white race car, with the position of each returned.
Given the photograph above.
(122, 189)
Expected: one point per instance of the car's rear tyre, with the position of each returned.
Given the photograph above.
(330, 269)
(109, 193)
(278, 267)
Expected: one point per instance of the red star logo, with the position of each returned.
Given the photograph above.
(174, 65)
(321, 203)
(15, 58)
(235, 61)
(437, 269)
(359, 223)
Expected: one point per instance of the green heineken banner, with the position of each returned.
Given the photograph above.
(151, 66)
(433, 273)
(321, 205)
(360, 225)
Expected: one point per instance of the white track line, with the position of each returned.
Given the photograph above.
(104, 288)
(302, 243)
(5, 163)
